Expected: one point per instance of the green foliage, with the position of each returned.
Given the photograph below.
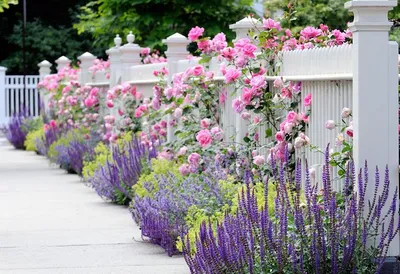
(65, 140)
(102, 152)
(152, 21)
(5, 4)
(159, 167)
(43, 43)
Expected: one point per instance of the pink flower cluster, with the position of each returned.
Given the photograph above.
(53, 81)
(100, 65)
(149, 57)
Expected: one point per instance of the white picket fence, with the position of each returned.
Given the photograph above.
(14, 98)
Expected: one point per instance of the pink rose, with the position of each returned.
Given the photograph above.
(53, 123)
(194, 159)
(330, 124)
(205, 123)
(218, 133)
(46, 127)
(245, 115)
(291, 117)
(204, 137)
(346, 112)
(248, 50)
(271, 24)
(89, 102)
(349, 131)
(110, 104)
(256, 119)
(182, 151)
(237, 105)
(145, 51)
(310, 32)
(258, 82)
(278, 83)
(259, 160)
(197, 70)
(195, 33)
(232, 74)
(308, 100)
(184, 169)
(247, 95)
(280, 136)
(178, 113)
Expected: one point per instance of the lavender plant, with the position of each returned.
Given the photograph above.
(17, 129)
(121, 171)
(326, 234)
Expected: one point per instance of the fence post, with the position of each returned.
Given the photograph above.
(176, 50)
(242, 29)
(130, 56)
(44, 69)
(375, 94)
(114, 56)
(3, 108)
(86, 62)
(62, 62)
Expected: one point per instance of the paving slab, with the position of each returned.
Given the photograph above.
(51, 222)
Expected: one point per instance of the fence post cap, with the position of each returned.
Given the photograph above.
(3, 68)
(44, 63)
(246, 23)
(62, 59)
(87, 56)
(175, 38)
(117, 41)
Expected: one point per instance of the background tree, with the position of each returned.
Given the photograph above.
(49, 34)
(153, 20)
(5, 4)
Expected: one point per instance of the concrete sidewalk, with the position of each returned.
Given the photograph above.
(50, 222)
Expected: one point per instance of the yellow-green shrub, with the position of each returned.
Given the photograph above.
(30, 142)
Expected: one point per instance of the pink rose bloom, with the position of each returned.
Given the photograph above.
(308, 100)
(195, 33)
(194, 159)
(246, 96)
(222, 96)
(256, 119)
(120, 112)
(228, 53)
(346, 112)
(205, 123)
(94, 92)
(167, 155)
(239, 44)
(46, 127)
(299, 142)
(108, 127)
(280, 136)
(258, 82)
(204, 137)
(110, 104)
(339, 36)
(245, 115)
(291, 117)
(349, 131)
(323, 27)
(259, 160)
(304, 117)
(218, 42)
(248, 50)
(237, 105)
(145, 51)
(53, 123)
(278, 83)
(218, 133)
(288, 128)
(163, 124)
(232, 74)
(163, 132)
(310, 32)
(184, 169)
(204, 45)
(109, 119)
(178, 113)
(89, 102)
(271, 24)
(138, 113)
(288, 33)
(330, 124)
(182, 151)
(197, 70)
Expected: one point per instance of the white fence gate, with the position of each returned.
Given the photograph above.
(14, 98)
